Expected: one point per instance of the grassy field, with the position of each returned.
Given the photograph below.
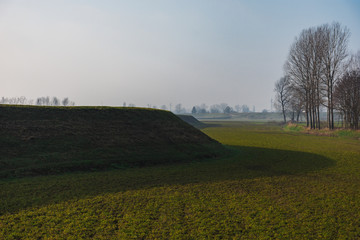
(278, 183)
(248, 117)
(258, 117)
(338, 132)
(235, 116)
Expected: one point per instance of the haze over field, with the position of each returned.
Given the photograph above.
(156, 52)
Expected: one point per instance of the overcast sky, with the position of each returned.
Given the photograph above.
(156, 52)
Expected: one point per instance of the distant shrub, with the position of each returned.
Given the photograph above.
(294, 127)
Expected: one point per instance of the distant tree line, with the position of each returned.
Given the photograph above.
(41, 101)
(319, 73)
(16, 101)
(219, 108)
(203, 108)
(178, 108)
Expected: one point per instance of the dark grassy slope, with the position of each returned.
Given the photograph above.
(50, 140)
(193, 121)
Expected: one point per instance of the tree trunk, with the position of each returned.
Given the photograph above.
(284, 116)
(318, 116)
(328, 110)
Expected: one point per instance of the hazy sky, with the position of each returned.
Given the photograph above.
(156, 52)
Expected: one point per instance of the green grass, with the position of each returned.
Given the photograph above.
(54, 140)
(338, 132)
(277, 185)
(348, 133)
(294, 127)
(248, 117)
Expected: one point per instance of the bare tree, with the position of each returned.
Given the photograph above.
(22, 100)
(228, 110)
(47, 101)
(215, 108)
(297, 68)
(335, 44)
(347, 93)
(223, 106)
(283, 95)
(43, 101)
(65, 101)
(245, 108)
(203, 108)
(179, 109)
(193, 110)
(296, 104)
(314, 65)
(55, 101)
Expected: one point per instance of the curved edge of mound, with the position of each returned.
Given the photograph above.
(192, 121)
(52, 140)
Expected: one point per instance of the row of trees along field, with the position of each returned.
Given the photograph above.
(320, 72)
(203, 108)
(41, 101)
(220, 108)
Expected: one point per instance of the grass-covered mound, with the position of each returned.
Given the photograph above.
(192, 121)
(49, 140)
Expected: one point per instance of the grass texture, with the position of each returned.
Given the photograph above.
(54, 140)
(277, 185)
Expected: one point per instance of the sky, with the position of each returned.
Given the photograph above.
(157, 52)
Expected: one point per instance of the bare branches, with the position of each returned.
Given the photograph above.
(314, 65)
(335, 52)
(347, 93)
(283, 95)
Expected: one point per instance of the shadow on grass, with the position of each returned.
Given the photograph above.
(245, 163)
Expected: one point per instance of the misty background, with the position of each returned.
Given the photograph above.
(156, 52)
